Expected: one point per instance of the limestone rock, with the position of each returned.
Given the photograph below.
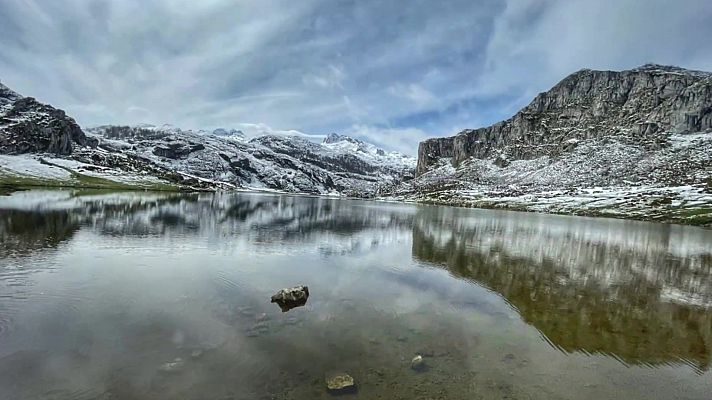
(340, 382)
(289, 298)
(417, 363)
(639, 105)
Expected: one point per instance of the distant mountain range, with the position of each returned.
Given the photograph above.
(42, 144)
(633, 144)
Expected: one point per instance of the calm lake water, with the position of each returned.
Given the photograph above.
(101, 293)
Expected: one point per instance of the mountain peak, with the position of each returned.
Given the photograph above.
(228, 132)
(7, 94)
(652, 67)
(335, 138)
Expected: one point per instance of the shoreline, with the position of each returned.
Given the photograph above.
(703, 219)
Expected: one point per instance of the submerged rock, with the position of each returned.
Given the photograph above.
(292, 320)
(290, 298)
(417, 363)
(258, 329)
(172, 366)
(340, 382)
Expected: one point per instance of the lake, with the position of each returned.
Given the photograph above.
(167, 296)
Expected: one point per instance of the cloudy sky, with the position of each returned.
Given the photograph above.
(390, 71)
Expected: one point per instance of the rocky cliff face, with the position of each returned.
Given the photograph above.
(641, 106)
(431, 150)
(634, 144)
(28, 126)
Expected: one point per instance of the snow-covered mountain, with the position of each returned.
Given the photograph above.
(286, 163)
(234, 134)
(40, 142)
(634, 143)
(342, 144)
(27, 125)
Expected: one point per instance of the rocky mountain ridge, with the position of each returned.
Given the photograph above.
(222, 158)
(641, 105)
(635, 143)
(29, 126)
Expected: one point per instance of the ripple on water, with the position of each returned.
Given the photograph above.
(5, 322)
(227, 281)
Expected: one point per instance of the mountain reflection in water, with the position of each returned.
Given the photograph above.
(637, 293)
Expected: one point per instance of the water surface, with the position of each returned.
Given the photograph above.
(101, 293)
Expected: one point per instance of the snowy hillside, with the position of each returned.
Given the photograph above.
(342, 144)
(41, 145)
(225, 158)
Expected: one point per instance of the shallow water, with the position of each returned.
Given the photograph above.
(100, 293)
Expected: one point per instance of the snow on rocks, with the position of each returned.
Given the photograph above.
(273, 162)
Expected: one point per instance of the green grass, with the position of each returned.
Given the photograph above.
(10, 182)
(700, 216)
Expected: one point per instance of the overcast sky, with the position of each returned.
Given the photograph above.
(390, 71)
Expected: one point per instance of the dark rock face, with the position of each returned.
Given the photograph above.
(431, 150)
(130, 133)
(28, 126)
(640, 105)
(177, 149)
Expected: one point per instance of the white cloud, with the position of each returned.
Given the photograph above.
(403, 140)
(322, 66)
(330, 78)
(415, 93)
(535, 44)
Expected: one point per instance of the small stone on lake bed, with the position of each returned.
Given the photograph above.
(196, 353)
(417, 362)
(340, 382)
(173, 366)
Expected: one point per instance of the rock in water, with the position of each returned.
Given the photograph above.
(291, 297)
(340, 382)
(417, 363)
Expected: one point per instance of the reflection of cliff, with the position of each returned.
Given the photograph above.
(621, 293)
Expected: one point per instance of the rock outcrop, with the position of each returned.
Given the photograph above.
(289, 298)
(177, 149)
(28, 126)
(640, 106)
(431, 150)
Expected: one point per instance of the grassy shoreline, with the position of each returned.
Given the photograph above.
(699, 216)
